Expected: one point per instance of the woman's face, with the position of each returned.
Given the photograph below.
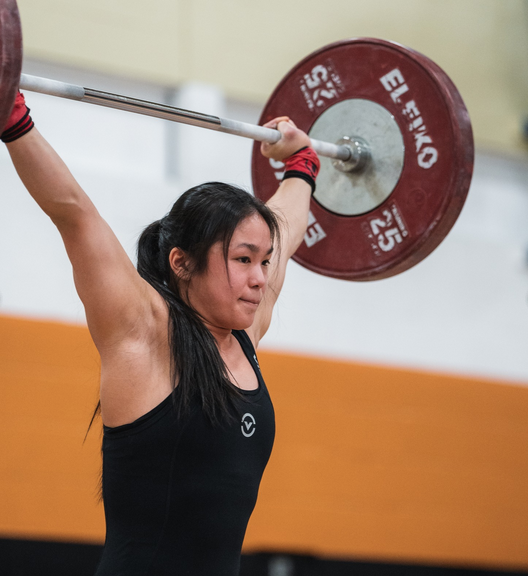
(228, 298)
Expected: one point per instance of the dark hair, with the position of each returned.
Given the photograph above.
(202, 216)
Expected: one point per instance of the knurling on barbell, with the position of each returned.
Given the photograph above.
(391, 126)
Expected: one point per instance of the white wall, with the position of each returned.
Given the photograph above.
(464, 309)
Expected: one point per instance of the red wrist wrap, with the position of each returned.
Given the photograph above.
(303, 164)
(19, 122)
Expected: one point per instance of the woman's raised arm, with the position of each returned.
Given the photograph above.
(291, 203)
(117, 300)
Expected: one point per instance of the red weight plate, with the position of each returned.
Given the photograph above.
(437, 166)
(10, 57)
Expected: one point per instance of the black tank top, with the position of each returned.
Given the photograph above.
(178, 497)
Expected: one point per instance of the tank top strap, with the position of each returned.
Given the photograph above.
(250, 352)
(245, 341)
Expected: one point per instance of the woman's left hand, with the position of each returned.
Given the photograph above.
(293, 139)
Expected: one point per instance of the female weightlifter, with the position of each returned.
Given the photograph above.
(188, 422)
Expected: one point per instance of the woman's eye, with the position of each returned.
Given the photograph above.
(244, 260)
(266, 263)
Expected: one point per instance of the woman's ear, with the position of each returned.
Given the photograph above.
(179, 263)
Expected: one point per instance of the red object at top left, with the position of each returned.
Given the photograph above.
(10, 57)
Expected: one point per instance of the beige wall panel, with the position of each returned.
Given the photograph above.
(125, 37)
(246, 47)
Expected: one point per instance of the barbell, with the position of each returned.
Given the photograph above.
(392, 129)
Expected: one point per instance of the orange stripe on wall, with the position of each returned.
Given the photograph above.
(369, 463)
(397, 465)
(49, 374)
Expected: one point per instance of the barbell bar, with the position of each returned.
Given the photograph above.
(345, 153)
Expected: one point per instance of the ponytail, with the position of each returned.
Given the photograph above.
(152, 264)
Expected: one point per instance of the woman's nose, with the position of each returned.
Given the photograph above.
(258, 277)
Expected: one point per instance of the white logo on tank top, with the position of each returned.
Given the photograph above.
(248, 425)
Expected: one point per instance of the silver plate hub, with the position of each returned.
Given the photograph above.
(369, 184)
